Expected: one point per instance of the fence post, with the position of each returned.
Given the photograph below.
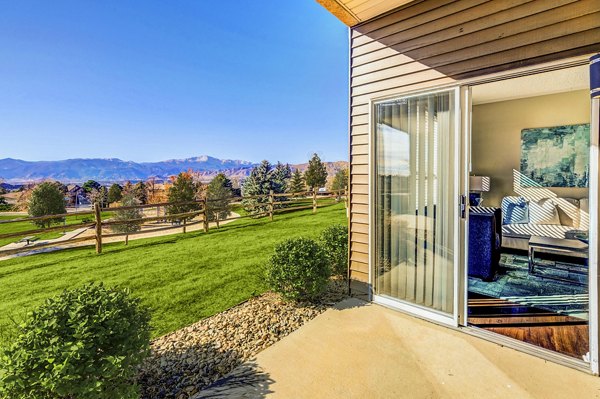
(184, 223)
(315, 200)
(271, 205)
(204, 216)
(98, 217)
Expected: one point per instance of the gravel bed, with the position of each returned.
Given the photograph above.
(187, 360)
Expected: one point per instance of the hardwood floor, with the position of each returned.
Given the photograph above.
(560, 333)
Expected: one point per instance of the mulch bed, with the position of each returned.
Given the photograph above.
(188, 360)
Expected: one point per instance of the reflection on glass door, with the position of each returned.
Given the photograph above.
(415, 200)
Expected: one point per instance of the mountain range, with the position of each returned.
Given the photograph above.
(115, 170)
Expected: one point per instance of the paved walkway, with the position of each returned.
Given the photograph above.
(62, 242)
(362, 350)
(65, 237)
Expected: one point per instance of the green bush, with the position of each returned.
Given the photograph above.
(334, 240)
(298, 269)
(83, 343)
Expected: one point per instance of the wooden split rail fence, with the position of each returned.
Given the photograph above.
(271, 205)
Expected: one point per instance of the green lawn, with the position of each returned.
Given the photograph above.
(71, 222)
(182, 277)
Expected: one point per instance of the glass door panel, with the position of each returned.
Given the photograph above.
(416, 200)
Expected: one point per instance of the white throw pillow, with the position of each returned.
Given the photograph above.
(543, 212)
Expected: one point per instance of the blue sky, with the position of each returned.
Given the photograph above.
(154, 80)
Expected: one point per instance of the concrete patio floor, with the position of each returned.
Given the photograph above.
(361, 350)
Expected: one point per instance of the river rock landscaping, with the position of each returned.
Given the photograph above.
(184, 362)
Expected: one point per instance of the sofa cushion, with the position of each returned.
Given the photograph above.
(515, 210)
(568, 211)
(525, 230)
(543, 212)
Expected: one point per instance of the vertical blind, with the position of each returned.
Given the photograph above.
(415, 197)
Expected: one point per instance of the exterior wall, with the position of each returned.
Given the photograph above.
(437, 42)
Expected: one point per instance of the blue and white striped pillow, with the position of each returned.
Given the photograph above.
(515, 210)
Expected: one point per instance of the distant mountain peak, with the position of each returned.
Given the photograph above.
(78, 170)
(110, 169)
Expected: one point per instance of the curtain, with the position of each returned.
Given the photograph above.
(415, 196)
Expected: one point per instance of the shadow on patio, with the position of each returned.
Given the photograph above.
(361, 350)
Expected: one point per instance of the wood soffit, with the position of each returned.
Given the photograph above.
(354, 12)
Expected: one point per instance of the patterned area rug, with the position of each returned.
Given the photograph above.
(559, 287)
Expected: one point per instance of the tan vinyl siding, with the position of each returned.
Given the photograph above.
(358, 247)
(359, 149)
(359, 271)
(438, 42)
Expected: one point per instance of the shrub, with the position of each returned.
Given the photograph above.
(84, 343)
(334, 240)
(298, 269)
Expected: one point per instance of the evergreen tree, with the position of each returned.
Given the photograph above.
(89, 185)
(46, 199)
(258, 183)
(115, 193)
(140, 193)
(297, 183)
(316, 173)
(261, 181)
(183, 189)
(128, 199)
(218, 198)
(281, 177)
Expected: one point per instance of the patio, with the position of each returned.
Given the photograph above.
(361, 350)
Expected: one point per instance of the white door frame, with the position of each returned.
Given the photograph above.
(465, 170)
(594, 236)
(398, 304)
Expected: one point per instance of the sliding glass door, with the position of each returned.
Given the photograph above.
(415, 199)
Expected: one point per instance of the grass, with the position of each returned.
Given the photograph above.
(71, 223)
(239, 209)
(183, 277)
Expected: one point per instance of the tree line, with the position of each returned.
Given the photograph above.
(183, 192)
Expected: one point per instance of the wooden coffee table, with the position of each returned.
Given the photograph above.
(559, 246)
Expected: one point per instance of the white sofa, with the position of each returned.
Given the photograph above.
(571, 214)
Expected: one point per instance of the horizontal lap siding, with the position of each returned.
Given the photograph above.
(438, 42)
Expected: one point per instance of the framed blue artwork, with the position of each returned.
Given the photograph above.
(556, 156)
